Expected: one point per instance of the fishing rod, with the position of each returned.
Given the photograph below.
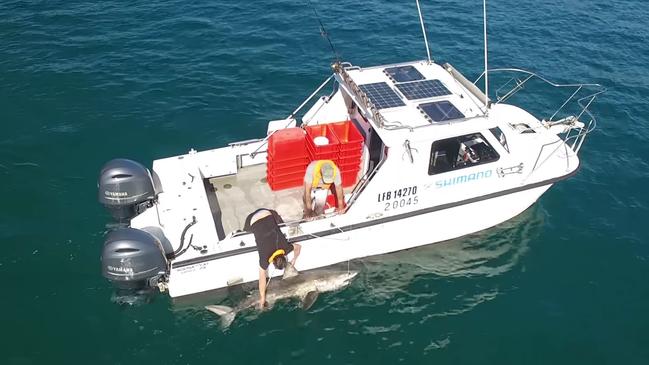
(323, 31)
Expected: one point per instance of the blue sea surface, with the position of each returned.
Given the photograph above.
(82, 82)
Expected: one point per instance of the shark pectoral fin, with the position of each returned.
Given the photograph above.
(226, 313)
(309, 299)
(290, 271)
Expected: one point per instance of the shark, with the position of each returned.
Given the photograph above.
(306, 286)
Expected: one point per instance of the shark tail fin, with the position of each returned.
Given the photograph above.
(226, 313)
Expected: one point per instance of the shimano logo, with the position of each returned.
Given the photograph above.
(125, 270)
(462, 179)
(115, 194)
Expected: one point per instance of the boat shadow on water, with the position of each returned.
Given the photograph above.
(450, 277)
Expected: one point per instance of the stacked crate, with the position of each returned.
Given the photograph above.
(345, 147)
(287, 158)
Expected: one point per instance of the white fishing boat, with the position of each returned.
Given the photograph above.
(425, 156)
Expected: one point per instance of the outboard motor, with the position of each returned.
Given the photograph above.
(126, 188)
(133, 259)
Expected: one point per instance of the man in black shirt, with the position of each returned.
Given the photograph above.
(272, 245)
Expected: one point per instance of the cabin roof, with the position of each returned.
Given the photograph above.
(415, 95)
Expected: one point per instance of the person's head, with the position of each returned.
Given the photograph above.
(327, 172)
(279, 262)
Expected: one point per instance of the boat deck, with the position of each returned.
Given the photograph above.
(247, 190)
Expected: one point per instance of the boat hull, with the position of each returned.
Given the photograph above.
(319, 250)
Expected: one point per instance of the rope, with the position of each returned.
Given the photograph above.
(330, 238)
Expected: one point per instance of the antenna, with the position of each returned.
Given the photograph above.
(486, 68)
(423, 30)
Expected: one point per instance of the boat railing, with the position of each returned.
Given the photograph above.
(577, 123)
(291, 118)
(520, 78)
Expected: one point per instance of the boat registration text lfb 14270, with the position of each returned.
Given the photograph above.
(398, 198)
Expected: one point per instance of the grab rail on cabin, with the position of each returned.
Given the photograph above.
(576, 130)
(520, 78)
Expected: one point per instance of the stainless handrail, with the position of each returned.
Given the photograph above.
(576, 139)
(291, 117)
(597, 88)
(570, 140)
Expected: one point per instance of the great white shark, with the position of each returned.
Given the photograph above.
(305, 286)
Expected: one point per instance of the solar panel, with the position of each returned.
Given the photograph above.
(423, 89)
(440, 111)
(381, 95)
(404, 73)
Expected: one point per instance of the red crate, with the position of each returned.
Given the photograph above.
(349, 178)
(322, 130)
(318, 154)
(349, 159)
(278, 172)
(348, 136)
(284, 184)
(287, 143)
(349, 167)
(286, 175)
(280, 164)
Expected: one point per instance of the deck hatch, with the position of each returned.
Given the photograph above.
(403, 73)
(381, 95)
(440, 111)
(423, 89)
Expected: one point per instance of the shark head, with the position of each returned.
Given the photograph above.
(335, 281)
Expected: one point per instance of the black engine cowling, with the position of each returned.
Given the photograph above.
(126, 188)
(133, 259)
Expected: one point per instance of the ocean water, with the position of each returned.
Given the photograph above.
(82, 82)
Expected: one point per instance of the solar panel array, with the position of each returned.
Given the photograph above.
(381, 95)
(423, 89)
(404, 73)
(440, 111)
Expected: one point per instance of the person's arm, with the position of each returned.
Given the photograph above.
(308, 209)
(340, 206)
(278, 218)
(296, 253)
(262, 288)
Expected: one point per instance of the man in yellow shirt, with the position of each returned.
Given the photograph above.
(322, 177)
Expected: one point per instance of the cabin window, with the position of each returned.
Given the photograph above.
(460, 152)
(500, 136)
